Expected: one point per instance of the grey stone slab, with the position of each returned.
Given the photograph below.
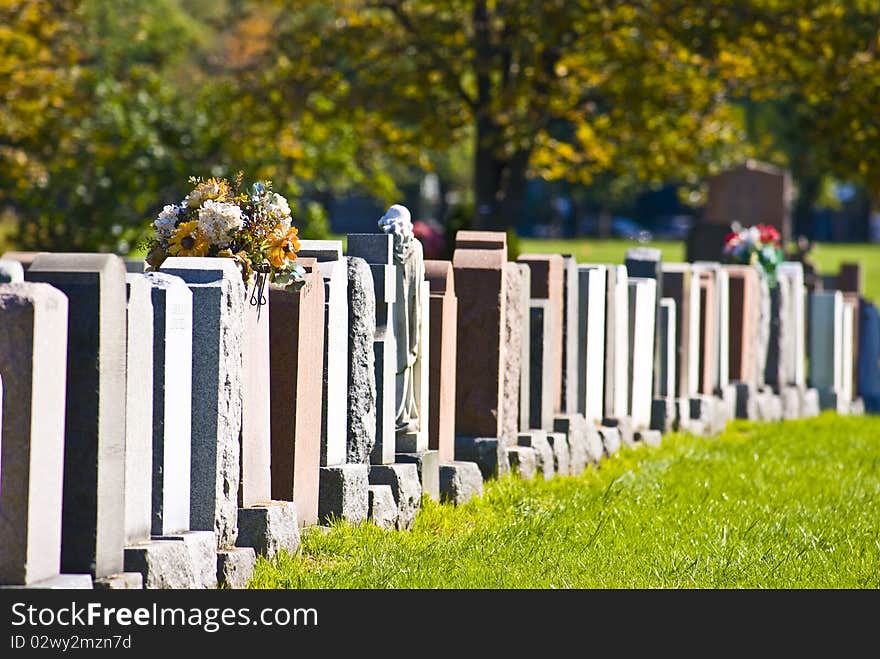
(361, 436)
(135, 266)
(649, 437)
(610, 440)
(372, 247)
(323, 250)
(746, 406)
(544, 458)
(121, 581)
(580, 445)
(810, 403)
(460, 482)
(218, 303)
(269, 528)
(201, 548)
(523, 462)
(572, 348)
(58, 582)
(617, 380)
(591, 337)
(385, 360)
(561, 453)
(163, 564)
(405, 487)
(486, 452)
(666, 332)
(235, 567)
(428, 465)
(542, 389)
(646, 262)
(171, 421)
(342, 493)
(791, 403)
(382, 509)
(11, 272)
(138, 410)
(663, 414)
(33, 364)
(93, 514)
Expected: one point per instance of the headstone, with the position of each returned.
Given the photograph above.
(481, 240)
(343, 493)
(571, 347)
(542, 357)
(33, 361)
(777, 369)
(547, 282)
(92, 531)
(616, 343)
(361, 362)
(135, 266)
(296, 331)
(11, 272)
(855, 301)
(681, 283)
(428, 468)
(591, 338)
(744, 317)
(24, 258)
(255, 486)
(515, 333)
(218, 298)
(721, 359)
(525, 346)
(642, 313)
(848, 348)
(444, 317)
(708, 336)
(376, 249)
(382, 510)
(481, 352)
(795, 347)
(851, 278)
(334, 413)
(751, 193)
(869, 357)
(826, 347)
(663, 414)
(138, 411)
(171, 423)
(544, 458)
(646, 262)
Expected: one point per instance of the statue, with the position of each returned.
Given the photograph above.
(410, 264)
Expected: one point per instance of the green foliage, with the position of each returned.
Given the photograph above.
(314, 222)
(786, 505)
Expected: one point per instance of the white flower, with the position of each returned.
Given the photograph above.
(278, 208)
(754, 235)
(218, 219)
(164, 223)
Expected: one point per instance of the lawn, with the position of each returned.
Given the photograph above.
(827, 257)
(789, 505)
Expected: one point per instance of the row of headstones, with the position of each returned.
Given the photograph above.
(198, 412)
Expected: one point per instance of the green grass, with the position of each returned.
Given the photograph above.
(827, 257)
(791, 505)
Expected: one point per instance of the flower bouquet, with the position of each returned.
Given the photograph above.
(217, 219)
(758, 246)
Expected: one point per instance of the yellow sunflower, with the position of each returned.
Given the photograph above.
(188, 240)
(283, 246)
(214, 188)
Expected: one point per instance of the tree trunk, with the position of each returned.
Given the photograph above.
(605, 223)
(499, 184)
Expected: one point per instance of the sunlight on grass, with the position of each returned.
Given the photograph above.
(787, 505)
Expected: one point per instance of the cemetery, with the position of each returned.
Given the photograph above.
(166, 422)
(438, 295)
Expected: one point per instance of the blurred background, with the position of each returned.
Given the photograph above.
(590, 125)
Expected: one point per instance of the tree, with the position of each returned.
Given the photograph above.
(559, 90)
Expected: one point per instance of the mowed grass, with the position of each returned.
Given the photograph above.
(827, 256)
(789, 505)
